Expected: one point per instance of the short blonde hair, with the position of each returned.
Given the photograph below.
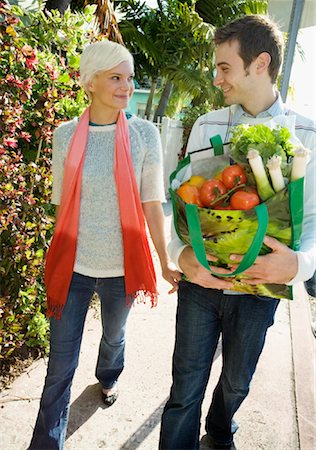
(100, 56)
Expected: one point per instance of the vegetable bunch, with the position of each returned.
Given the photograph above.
(268, 157)
(227, 190)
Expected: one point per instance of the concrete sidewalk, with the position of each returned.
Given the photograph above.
(277, 415)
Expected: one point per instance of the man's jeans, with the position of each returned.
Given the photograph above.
(310, 286)
(65, 341)
(203, 314)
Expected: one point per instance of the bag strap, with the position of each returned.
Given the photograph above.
(184, 162)
(296, 200)
(253, 251)
(217, 144)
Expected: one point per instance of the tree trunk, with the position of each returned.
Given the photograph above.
(61, 5)
(150, 98)
(163, 102)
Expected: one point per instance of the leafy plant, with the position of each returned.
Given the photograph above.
(39, 60)
(190, 115)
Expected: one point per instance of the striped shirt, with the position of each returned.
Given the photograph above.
(303, 129)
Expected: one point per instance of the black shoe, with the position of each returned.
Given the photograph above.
(108, 400)
(208, 443)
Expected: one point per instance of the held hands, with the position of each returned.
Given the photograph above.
(277, 267)
(172, 276)
(197, 274)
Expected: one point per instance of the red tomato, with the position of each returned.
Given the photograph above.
(233, 176)
(244, 200)
(211, 190)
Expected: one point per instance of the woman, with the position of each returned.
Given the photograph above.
(107, 172)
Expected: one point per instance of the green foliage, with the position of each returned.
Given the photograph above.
(219, 13)
(267, 141)
(39, 59)
(170, 42)
(173, 42)
(191, 114)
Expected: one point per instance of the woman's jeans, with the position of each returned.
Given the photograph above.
(204, 314)
(65, 341)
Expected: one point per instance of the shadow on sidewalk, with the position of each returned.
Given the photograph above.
(84, 407)
(144, 430)
(154, 419)
(90, 400)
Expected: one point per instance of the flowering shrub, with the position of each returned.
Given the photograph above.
(39, 59)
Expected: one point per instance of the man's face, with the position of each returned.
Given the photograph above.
(237, 83)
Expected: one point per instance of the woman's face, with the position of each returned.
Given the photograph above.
(112, 89)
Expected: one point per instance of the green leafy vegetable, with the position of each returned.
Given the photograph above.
(268, 143)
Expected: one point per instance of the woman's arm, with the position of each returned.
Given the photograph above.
(155, 220)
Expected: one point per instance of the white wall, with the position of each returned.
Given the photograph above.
(171, 132)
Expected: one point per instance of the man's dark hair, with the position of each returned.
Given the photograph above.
(255, 34)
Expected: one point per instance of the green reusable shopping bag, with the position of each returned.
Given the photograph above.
(223, 232)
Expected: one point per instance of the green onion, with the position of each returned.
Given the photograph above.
(299, 163)
(264, 188)
(274, 166)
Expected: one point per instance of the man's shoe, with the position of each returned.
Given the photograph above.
(208, 443)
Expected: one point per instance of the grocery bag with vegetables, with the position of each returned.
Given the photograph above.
(226, 203)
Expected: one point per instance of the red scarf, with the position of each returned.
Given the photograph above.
(140, 279)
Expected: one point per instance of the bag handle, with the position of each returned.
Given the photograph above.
(296, 200)
(253, 251)
(217, 144)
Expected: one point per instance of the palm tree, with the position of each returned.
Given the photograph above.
(167, 43)
(106, 20)
(219, 12)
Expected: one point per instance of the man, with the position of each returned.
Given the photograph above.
(248, 59)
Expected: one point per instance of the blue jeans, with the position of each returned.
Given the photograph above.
(310, 286)
(65, 341)
(202, 315)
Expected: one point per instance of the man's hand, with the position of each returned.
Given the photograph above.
(172, 276)
(277, 267)
(197, 274)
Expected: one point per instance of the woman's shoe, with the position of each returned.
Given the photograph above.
(109, 397)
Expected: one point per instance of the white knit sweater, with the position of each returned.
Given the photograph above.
(99, 247)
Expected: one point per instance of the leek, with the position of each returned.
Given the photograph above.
(274, 166)
(299, 163)
(264, 188)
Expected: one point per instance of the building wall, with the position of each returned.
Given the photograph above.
(137, 103)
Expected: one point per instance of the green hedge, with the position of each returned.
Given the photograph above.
(39, 60)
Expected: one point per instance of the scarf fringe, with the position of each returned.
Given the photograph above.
(54, 309)
(141, 296)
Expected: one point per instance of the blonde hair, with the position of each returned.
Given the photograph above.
(100, 56)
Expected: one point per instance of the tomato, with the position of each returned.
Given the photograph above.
(190, 194)
(196, 180)
(249, 189)
(210, 191)
(244, 200)
(233, 176)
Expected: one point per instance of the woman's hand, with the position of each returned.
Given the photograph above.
(171, 275)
